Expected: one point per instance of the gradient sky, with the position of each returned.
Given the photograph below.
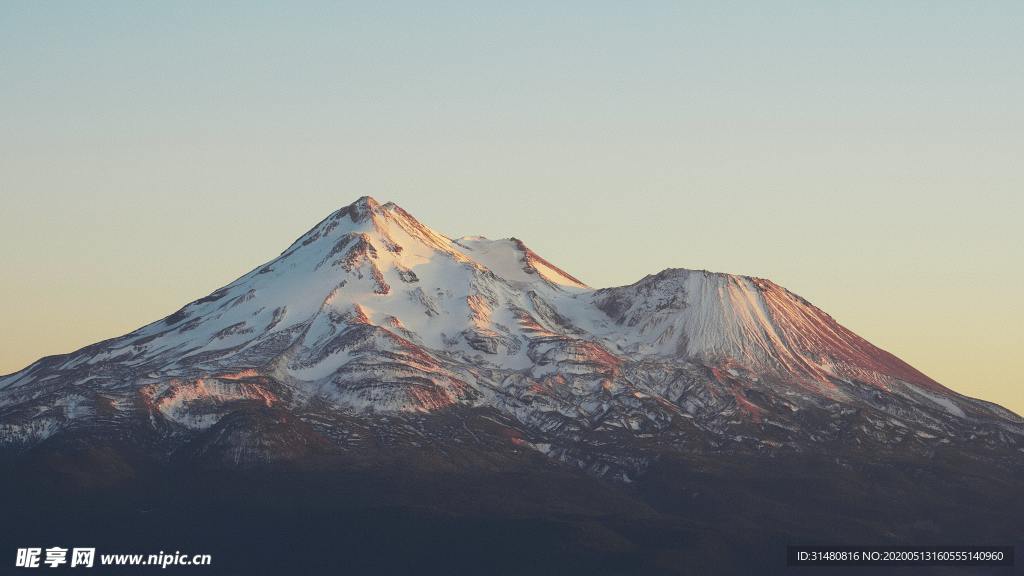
(866, 155)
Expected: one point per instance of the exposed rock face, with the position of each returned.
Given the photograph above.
(372, 313)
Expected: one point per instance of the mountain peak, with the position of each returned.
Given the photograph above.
(366, 201)
(372, 310)
(514, 261)
(363, 208)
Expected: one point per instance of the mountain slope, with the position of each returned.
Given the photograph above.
(373, 311)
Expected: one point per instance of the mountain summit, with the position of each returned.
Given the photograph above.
(371, 311)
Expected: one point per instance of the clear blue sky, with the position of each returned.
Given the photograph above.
(867, 155)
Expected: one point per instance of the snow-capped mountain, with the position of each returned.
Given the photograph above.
(372, 315)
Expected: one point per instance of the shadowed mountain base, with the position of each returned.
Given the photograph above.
(500, 513)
